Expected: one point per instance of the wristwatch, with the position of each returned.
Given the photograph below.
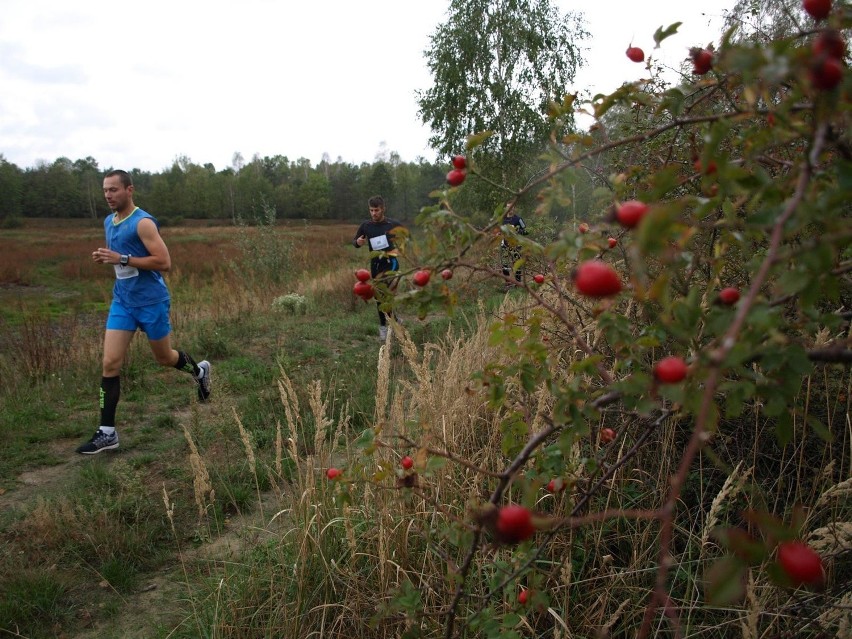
(124, 259)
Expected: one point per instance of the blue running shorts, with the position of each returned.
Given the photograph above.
(153, 319)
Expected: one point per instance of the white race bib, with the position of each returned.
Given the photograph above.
(125, 272)
(379, 243)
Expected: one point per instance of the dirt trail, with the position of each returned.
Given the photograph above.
(161, 598)
(42, 481)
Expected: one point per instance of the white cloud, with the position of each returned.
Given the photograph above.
(137, 85)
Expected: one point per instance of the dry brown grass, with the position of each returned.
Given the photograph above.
(363, 538)
(336, 554)
(49, 285)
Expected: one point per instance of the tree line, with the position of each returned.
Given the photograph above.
(296, 189)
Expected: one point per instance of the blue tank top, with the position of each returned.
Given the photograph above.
(133, 287)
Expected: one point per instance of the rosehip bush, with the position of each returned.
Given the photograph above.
(729, 195)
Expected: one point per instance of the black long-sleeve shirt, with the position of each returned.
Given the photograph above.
(379, 235)
(518, 222)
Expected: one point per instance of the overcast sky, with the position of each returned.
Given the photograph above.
(136, 85)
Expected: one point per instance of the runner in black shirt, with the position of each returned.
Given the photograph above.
(378, 234)
(510, 254)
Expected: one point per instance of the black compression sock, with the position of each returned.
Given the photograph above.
(109, 395)
(187, 364)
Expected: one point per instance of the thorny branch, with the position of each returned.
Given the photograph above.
(716, 360)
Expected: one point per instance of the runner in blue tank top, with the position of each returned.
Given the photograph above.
(140, 300)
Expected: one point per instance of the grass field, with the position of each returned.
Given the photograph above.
(81, 535)
(215, 520)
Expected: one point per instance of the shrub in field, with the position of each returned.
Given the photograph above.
(265, 255)
(742, 443)
(707, 494)
(292, 303)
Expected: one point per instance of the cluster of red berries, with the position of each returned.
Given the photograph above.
(828, 49)
(826, 67)
(457, 175)
(817, 9)
(702, 60)
(595, 278)
(363, 288)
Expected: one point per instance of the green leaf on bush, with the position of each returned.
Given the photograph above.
(819, 428)
(477, 139)
(647, 341)
(844, 174)
(511, 619)
(794, 281)
(434, 463)
(409, 598)
(736, 394)
(661, 34)
(366, 440)
(673, 100)
(587, 365)
(514, 430)
(738, 355)
(724, 581)
(742, 544)
(673, 392)
(784, 428)
(765, 216)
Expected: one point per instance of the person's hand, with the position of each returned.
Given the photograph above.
(361, 240)
(102, 255)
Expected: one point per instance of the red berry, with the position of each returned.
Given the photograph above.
(583, 228)
(612, 242)
(830, 43)
(607, 435)
(630, 213)
(539, 278)
(702, 60)
(363, 290)
(460, 162)
(825, 73)
(514, 523)
(446, 274)
(817, 9)
(800, 563)
(555, 485)
(635, 54)
(333, 473)
(456, 177)
(670, 370)
(597, 279)
(421, 278)
(729, 295)
(362, 275)
(406, 462)
(699, 167)
(522, 597)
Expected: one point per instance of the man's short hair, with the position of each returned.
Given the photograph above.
(376, 202)
(123, 176)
